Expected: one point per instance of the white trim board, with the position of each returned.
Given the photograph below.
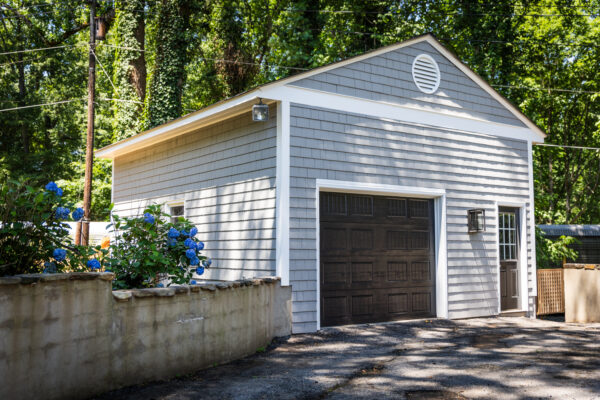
(282, 197)
(226, 108)
(441, 254)
(397, 113)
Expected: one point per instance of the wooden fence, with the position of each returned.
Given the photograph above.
(551, 291)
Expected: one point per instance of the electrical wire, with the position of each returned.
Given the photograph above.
(34, 50)
(567, 146)
(105, 73)
(39, 105)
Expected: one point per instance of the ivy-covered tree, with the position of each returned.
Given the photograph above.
(130, 67)
(168, 74)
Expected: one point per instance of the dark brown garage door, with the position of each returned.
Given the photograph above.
(377, 258)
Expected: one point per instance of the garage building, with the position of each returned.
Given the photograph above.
(393, 185)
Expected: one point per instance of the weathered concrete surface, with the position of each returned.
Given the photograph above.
(495, 358)
(68, 336)
(582, 292)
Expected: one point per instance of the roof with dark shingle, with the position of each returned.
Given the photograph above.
(570, 230)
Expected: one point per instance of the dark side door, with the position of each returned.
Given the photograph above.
(508, 230)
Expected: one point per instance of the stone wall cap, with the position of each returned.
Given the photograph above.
(122, 295)
(28, 279)
(10, 280)
(210, 288)
(224, 285)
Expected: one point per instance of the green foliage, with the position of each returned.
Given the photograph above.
(168, 75)
(197, 52)
(550, 253)
(31, 230)
(144, 253)
(130, 67)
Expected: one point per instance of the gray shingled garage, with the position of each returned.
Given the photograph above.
(393, 130)
(377, 259)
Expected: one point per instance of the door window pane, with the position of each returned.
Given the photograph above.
(507, 232)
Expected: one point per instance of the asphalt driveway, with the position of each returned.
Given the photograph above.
(492, 358)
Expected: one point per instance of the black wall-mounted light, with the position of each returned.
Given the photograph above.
(260, 112)
(476, 220)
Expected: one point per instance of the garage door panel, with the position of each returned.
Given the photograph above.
(376, 259)
(376, 305)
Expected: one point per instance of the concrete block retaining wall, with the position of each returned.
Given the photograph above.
(582, 292)
(69, 336)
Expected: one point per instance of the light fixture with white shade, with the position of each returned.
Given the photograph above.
(260, 112)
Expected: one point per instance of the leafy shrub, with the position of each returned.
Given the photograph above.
(150, 249)
(33, 235)
(551, 253)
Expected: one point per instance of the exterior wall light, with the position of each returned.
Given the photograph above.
(260, 112)
(476, 220)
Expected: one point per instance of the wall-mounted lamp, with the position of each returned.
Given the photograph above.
(476, 220)
(260, 112)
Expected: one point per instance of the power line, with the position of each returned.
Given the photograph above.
(34, 50)
(567, 146)
(546, 88)
(308, 69)
(39, 105)
(105, 73)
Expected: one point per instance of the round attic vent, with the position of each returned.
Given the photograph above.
(426, 73)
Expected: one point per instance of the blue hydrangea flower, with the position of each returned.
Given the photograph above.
(171, 242)
(189, 243)
(59, 254)
(194, 261)
(149, 218)
(173, 233)
(93, 264)
(190, 253)
(184, 232)
(207, 263)
(193, 231)
(193, 282)
(199, 270)
(199, 246)
(77, 214)
(53, 187)
(62, 213)
(160, 285)
(49, 267)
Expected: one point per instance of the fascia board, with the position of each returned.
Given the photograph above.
(394, 112)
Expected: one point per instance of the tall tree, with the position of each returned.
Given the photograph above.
(130, 67)
(168, 74)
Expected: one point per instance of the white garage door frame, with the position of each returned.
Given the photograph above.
(441, 256)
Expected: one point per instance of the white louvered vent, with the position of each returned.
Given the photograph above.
(426, 73)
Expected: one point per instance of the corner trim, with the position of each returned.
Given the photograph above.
(282, 194)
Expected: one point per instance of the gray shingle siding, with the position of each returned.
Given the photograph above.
(475, 170)
(225, 174)
(388, 78)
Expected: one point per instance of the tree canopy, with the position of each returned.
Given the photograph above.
(164, 58)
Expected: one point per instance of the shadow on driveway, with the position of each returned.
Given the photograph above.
(508, 358)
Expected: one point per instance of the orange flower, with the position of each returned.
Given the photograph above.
(105, 242)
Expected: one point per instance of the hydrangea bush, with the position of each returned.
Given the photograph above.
(33, 234)
(150, 250)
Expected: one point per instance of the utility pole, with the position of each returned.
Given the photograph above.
(84, 227)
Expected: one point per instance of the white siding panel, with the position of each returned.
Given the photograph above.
(225, 174)
(475, 170)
